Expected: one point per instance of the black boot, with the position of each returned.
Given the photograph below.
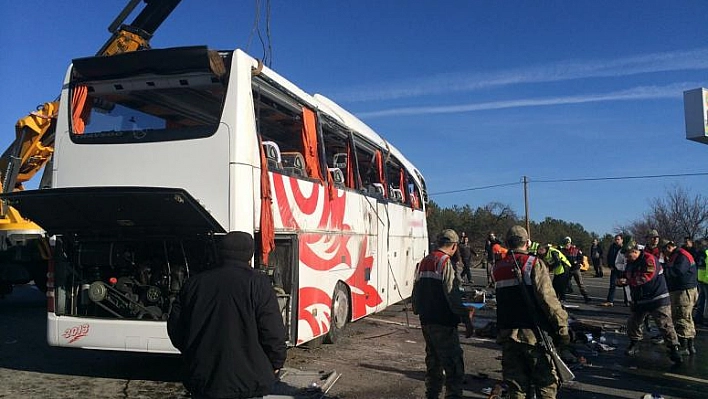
(683, 346)
(674, 354)
(632, 349)
(691, 347)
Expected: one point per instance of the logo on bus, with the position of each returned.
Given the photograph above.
(75, 333)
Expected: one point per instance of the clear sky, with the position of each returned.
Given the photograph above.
(474, 93)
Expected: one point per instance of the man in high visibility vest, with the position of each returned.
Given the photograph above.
(700, 316)
(559, 267)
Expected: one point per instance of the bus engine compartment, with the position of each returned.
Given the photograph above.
(126, 279)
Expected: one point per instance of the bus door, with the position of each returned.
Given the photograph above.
(283, 269)
(401, 263)
(381, 256)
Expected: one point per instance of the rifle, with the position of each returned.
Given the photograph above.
(564, 373)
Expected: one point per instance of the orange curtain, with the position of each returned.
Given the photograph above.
(331, 189)
(309, 142)
(79, 111)
(267, 225)
(382, 178)
(402, 184)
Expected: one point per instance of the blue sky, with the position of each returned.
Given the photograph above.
(475, 93)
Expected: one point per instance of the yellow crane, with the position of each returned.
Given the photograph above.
(23, 249)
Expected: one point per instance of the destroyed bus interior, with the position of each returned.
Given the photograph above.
(351, 161)
(148, 96)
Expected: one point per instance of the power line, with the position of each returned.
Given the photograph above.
(620, 177)
(476, 188)
(579, 179)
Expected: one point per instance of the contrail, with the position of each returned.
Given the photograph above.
(637, 93)
(696, 59)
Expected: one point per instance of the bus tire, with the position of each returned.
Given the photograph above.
(340, 313)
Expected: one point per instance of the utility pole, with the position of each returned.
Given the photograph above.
(526, 205)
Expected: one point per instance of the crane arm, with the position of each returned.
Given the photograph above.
(34, 134)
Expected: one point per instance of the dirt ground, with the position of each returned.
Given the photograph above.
(383, 356)
(379, 357)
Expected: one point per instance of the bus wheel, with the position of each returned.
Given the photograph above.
(340, 313)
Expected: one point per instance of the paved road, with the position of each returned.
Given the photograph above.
(378, 357)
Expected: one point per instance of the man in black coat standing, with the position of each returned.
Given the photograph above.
(228, 326)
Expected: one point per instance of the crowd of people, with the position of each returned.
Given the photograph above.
(665, 281)
(659, 280)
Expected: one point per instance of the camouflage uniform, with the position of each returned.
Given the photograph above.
(524, 363)
(438, 302)
(662, 318)
(682, 282)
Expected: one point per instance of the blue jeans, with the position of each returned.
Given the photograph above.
(614, 275)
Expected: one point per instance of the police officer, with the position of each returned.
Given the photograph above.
(649, 297)
(525, 365)
(680, 273)
(559, 267)
(438, 302)
(701, 264)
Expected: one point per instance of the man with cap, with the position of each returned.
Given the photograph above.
(228, 326)
(437, 301)
(650, 296)
(526, 367)
(680, 273)
(652, 245)
(575, 257)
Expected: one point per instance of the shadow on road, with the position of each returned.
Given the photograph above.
(23, 346)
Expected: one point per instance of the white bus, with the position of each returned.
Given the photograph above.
(160, 152)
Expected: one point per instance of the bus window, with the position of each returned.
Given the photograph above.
(336, 144)
(279, 122)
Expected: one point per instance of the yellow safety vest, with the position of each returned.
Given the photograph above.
(562, 265)
(702, 272)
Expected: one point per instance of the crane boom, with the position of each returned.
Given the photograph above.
(33, 146)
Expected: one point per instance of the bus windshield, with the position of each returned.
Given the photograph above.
(146, 108)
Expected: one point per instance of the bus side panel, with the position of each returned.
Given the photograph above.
(399, 254)
(335, 244)
(95, 333)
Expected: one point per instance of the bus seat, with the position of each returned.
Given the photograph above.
(337, 176)
(339, 160)
(377, 189)
(294, 163)
(396, 195)
(272, 153)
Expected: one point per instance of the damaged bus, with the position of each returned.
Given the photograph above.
(159, 153)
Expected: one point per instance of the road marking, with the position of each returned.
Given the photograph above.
(657, 373)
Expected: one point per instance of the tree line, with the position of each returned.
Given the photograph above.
(675, 215)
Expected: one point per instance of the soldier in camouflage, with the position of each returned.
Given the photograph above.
(526, 367)
(438, 302)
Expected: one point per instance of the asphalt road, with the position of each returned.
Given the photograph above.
(378, 357)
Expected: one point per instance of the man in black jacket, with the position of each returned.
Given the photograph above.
(228, 326)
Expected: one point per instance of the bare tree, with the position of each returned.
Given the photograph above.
(679, 214)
